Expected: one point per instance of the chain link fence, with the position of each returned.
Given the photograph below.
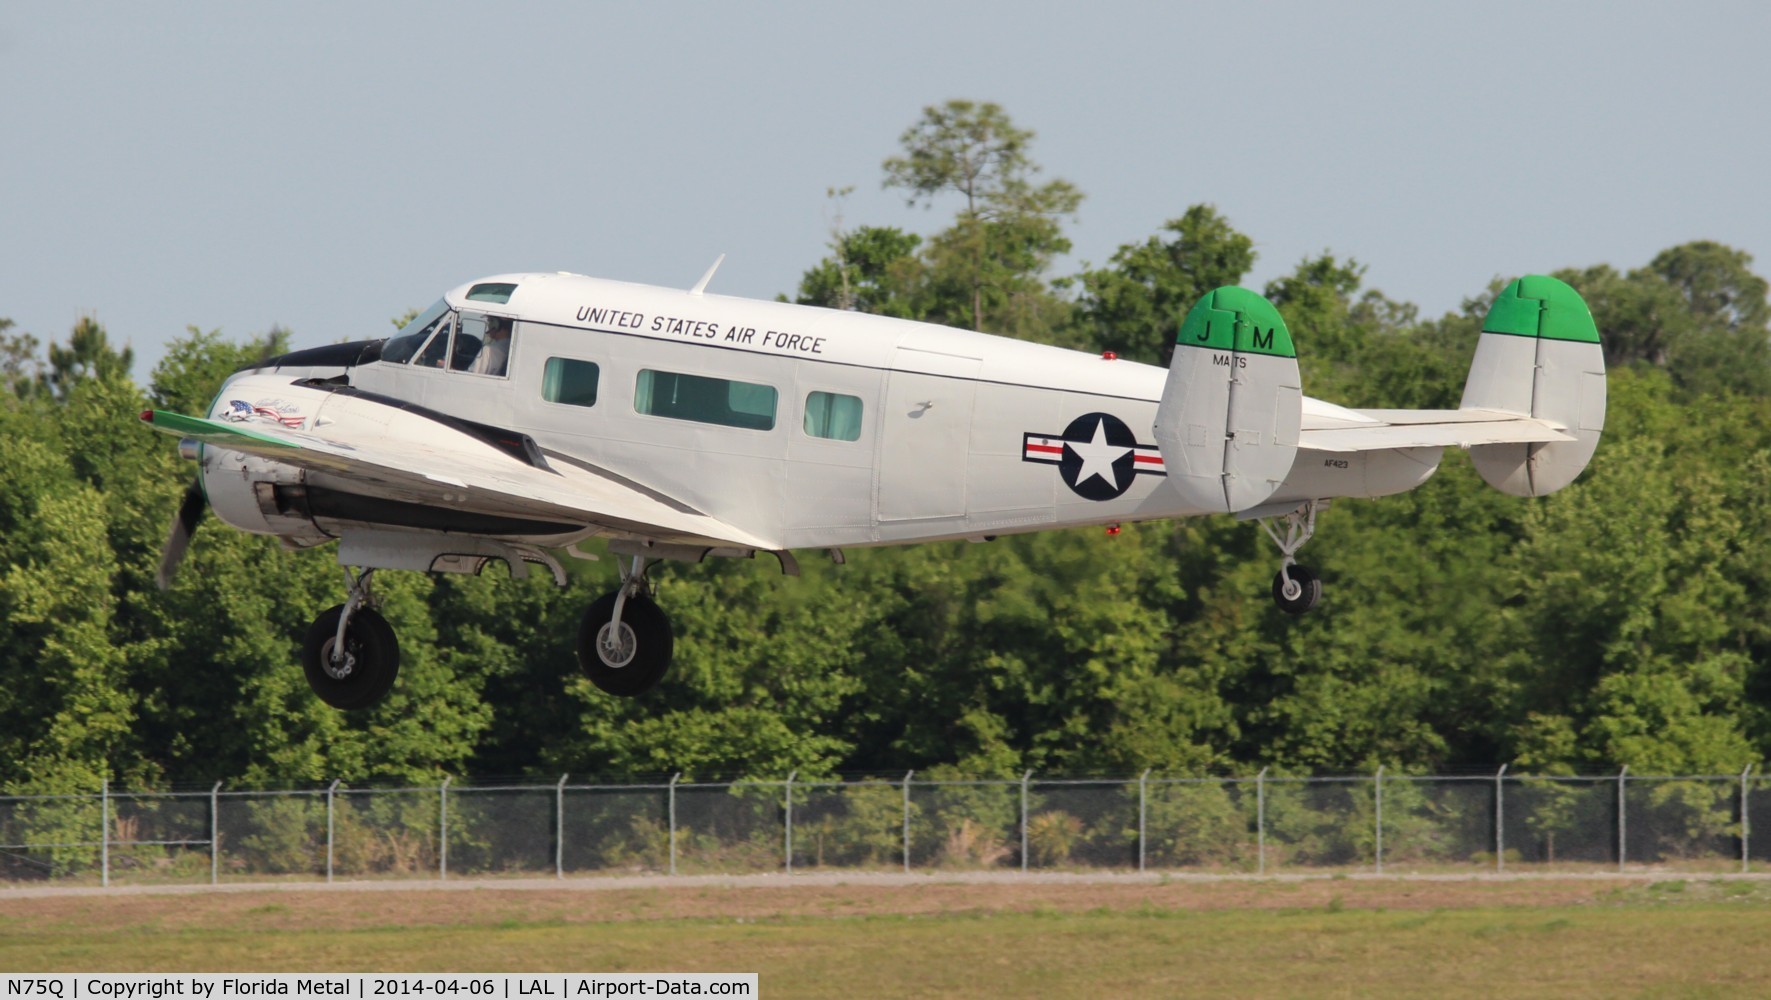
(1263, 824)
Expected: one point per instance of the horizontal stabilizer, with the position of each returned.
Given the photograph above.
(1435, 434)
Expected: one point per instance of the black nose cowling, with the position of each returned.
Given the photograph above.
(358, 352)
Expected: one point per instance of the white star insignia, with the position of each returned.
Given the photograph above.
(1097, 457)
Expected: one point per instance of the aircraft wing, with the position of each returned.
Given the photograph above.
(1377, 430)
(460, 472)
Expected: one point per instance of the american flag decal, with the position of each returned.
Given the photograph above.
(239, 411)
(1146, 458)
(1041, 448)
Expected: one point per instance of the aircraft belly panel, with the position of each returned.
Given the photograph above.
(826, 505)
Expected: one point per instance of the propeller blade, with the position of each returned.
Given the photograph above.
(178, 539)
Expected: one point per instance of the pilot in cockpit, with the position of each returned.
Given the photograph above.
(495, 354)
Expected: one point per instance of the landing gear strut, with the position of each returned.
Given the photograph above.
(1295, 588)
(624, 640)
(350, 655)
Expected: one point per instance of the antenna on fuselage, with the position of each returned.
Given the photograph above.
(701, 286)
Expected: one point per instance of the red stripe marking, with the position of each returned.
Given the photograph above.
(1046, 449)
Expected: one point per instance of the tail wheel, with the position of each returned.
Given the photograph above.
(630, 657)
(1299, 593)
(360, 674)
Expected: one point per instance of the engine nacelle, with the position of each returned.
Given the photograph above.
(246, 492)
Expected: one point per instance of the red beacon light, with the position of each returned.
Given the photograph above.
(1109, 356)
(1112, 529)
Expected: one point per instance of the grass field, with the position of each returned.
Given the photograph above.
(937, 938)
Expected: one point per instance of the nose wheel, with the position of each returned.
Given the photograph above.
(1296, 588)
(625, 641)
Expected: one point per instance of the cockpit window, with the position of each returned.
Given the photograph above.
(436, 351)
(403, 345)
(491, 291)
(483, 348)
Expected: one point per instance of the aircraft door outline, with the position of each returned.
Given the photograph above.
(925, 428)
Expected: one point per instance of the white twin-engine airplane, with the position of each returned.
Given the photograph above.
(528, 412)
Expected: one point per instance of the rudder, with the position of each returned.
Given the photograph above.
(1539, 356)
(1233, 404)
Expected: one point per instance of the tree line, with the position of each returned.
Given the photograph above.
(1617, 622)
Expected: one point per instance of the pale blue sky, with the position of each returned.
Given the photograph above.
(325, 166)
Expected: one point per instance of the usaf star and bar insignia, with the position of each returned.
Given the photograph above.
(1097, 455)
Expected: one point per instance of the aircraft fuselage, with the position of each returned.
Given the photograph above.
(840, 429)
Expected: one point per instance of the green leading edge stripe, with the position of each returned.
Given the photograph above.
(211, 431)
(1541, 306)
(1236, 319)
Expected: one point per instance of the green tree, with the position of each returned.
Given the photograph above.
(873, 269)
(762, 667)
(1135, 306)
(88, 354)
(1716, 283)
(985, 270)
(66, 711)
(195, 366)
(1626, 623)
(21, 368)
(1696, 310)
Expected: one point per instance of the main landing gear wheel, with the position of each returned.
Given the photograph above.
(1296, 589)
(361, 671)
(625, 656)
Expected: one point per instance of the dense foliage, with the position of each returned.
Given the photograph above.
(1617, 622)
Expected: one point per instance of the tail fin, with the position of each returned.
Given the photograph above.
(1233, 405)
(1538, 356)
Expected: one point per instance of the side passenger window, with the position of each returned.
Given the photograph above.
(705, 399)
(833, 415)
(569, 381)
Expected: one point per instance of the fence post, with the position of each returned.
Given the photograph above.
(1746, 828)
(559, 827)
(790, 776)
(1025, 778)
(1377, 786)
(1143, 784)
(907, 775)
(672, 820)
(104, 833)
(215, 834)
(1622, 776)
(1500, 834)
(1260, 819)
(331, 791)
(443, 829)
